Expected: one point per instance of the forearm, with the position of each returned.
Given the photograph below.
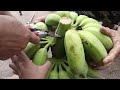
(5, 13)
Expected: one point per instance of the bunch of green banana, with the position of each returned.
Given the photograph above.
(72, 49)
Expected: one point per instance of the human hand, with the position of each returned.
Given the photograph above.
(26, 69)
(115, 36)
(14, 37)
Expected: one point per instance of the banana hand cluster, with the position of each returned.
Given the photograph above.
(76, 47)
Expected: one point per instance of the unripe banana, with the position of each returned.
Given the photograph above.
(75, 53)
(54, 73)
(63, 13)
(42, 26)
(63, 74)
(92, 25)
(79, 19)
(31, 49)
(105, 40)
(87, 21)
(52, 19)
(68, 70)
(93, 46)
(73, 16)
(40, 56)
(92, 73)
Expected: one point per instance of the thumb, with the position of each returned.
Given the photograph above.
(47, 65)
(34, 38)
(106, 31)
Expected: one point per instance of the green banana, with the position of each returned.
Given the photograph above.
(54, 73)
(92, 73)
(75, 53)
(52, 19)
(42, 26)
(87, 21)
(41, 55)
(79, 19)
(105, 40)
(92, 25)
(63, 13)
(63, 74)
(31, 49)
(68, 70)
(73, 16)
(93, 46)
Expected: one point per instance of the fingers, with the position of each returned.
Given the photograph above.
(34, 38)
(107, 31)
(12, 65)
(103, 67)
(15, 60)
(13, 77)
(112, 55)
(118, 29)
(23, 57)
(41, 19)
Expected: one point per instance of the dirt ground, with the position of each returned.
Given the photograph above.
(112, 72)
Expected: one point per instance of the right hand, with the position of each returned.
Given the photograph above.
(115, 51)
(14, 37)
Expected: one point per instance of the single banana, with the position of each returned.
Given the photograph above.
(52, 19)
(63, 74)
(63, 13)
(31, 49)
(40, 56)
(73, 16)
(93, 46)
(105, 40)
(75, 53)
(92, 25)
(67, 70)
(79, 19)
(92, 73)
(42, 26)
(87, 21)
(54, 73)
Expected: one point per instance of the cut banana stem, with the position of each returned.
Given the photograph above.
(63, 26)
(58, 50)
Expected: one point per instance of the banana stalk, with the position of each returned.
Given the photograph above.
(58, 50)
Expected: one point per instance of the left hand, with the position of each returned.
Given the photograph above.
(115, 36)
(26, 69)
